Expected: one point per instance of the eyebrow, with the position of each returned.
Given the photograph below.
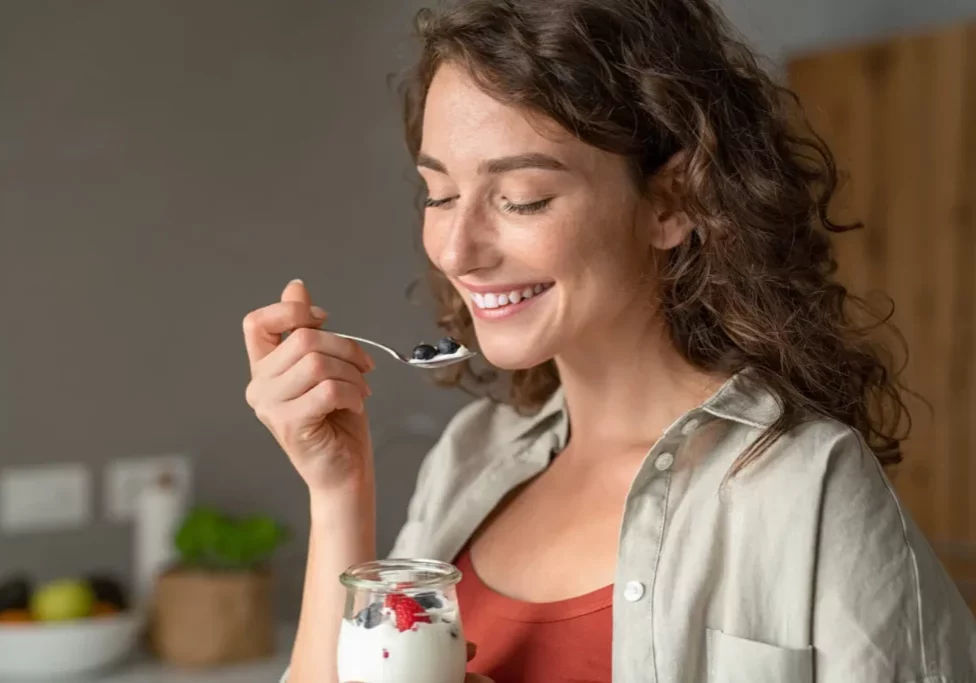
(500, 165)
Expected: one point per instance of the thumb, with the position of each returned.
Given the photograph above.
(295, 291)
(475, 678)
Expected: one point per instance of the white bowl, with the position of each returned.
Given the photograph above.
(46, 650)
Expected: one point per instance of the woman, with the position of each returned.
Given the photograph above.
(683, 481)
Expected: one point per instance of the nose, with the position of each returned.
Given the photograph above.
(467, 243)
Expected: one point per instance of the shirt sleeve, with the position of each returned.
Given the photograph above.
(885, 610)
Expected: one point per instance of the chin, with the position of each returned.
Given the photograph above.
(511, 355)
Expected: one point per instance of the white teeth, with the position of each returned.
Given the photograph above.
(492, 300)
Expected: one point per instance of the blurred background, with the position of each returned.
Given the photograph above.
(165, 167)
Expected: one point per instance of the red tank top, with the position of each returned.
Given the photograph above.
(568, 641)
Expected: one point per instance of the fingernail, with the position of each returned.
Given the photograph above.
(297, 281)
(372, 363)
(319, 313)
(369, 392)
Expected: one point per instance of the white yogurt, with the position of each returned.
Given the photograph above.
(382, 654)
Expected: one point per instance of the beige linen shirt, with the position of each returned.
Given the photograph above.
(802, 568)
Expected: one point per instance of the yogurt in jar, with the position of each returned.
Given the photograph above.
(397, 641)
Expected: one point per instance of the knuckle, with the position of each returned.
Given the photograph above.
(251, 395)
(305, 338)
(329, 392)
(252, 322)
(319, 365)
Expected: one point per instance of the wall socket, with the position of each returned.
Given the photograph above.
(45, 498)
(125, 478)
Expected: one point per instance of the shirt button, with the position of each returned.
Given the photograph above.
(689, 426)
(634, 591)
(664, 462)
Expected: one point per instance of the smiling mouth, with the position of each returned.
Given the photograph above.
(494, 300)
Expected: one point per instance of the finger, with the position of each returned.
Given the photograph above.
(325, 398)
(263, 327)
(305, 341)
(308, 372)
(295, 291)
(476, 678)
(472, 650)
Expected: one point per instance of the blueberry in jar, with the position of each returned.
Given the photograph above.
(371, 616)
(428, 600)
(424, 352)
(448, 345)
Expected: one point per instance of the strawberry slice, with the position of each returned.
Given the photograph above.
(408, 611)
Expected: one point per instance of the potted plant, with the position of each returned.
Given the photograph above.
(214, 605)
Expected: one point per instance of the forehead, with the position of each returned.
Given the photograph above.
(463, 124)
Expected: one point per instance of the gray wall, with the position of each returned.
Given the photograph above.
(164, 168)
(779, 28)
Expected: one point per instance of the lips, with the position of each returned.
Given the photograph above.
(503, 298)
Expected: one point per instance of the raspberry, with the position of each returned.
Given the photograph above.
(407, 610)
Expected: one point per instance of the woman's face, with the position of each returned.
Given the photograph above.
(545, 237)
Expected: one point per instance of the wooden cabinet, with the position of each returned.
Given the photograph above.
(901, 117)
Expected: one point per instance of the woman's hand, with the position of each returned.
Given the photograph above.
(309, 390)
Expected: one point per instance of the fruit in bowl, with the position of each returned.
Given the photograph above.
(64, 627)
(60, 600)
(63, 600)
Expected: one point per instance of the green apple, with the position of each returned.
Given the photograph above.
(62, 600)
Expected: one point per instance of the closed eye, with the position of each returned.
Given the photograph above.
(432, 203)
(527, 209)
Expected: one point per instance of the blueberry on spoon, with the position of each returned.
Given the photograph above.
(448, 345)
(424, 352)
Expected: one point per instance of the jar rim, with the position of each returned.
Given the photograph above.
(436, 573)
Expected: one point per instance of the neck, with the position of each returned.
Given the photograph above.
(623, 390)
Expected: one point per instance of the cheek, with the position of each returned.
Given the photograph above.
(601, 251)
(433, 236)
(571, 246)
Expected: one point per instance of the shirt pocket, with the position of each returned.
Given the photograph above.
(738, 660)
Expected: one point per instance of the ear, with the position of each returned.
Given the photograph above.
(668, 222)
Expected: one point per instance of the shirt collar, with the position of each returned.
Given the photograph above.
(744, 399)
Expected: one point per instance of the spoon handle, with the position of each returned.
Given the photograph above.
(361, 340)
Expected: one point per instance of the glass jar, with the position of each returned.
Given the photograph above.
(401, 624)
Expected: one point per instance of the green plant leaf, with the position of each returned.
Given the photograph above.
(208, 538)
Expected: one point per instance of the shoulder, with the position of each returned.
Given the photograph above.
(487, 424)
(481, 443)
(818, 457)
(481, 434)
(884, 606)
(825, 471)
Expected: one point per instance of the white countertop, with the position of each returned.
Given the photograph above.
(260, 671)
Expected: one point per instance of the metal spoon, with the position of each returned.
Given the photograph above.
(441, 361)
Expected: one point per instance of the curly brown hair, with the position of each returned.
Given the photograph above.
(751, 288)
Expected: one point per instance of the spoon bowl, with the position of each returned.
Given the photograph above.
(439, 361)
